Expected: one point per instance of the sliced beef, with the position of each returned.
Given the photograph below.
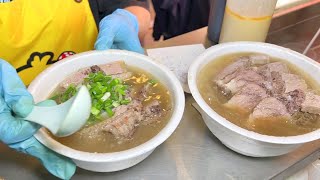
(277, 84)
(121, 125)
(280, 83)
(230, 72)
(76, 78)
(125, 120)
(247, 98)
(293, 100)
(241, 67)
(126, 117)
(311, 103)
(267, 89)
(268, 108)
(272, 77)
(113, 68)
(142, 93)
(116, 67)
(278, 79)
(123, 76)
(134, 104)
(152, 111)
(95, 69)
(279, 67)
(243, 78)
(153, 108)
(305, 119)
(293, 82)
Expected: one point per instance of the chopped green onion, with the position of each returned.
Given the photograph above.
(55, 97)
(120, 97)
(125, 101)
(115, 104)
(105, 96)
(67, 94)
(109, 112)
(106, 93)
(152, 81)
(122, 92)
(95, 111)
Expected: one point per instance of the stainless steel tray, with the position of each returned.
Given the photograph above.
(192, 152)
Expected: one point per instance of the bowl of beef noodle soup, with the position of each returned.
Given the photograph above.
(136, 105)
(258, 99)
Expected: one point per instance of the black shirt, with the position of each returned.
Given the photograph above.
(102, 8)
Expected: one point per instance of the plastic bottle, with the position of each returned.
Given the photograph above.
(217, 8)
(247, 20)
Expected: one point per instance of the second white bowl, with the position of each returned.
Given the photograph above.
(236, 138)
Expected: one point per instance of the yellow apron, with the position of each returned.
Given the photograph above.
(37, 33)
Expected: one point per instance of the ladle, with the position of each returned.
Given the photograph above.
(66, 118)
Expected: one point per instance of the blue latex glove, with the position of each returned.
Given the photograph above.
(119, 31)
(16, 101)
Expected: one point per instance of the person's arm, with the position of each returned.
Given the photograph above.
(122, 24)
(139, 8)
(16, 102)
(143, 16)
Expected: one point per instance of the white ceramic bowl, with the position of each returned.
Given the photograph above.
(48, 80)
(236, 138)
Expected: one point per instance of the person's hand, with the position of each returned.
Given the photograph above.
(119, 31)
(15, 103)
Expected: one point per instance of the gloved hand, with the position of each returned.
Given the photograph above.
(119, 31)
(16, 102)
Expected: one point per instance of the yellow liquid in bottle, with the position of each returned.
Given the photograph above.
(240, 28)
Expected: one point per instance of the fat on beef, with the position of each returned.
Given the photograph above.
(247, 98)
(116, 68)
(230, 72)
(76, 78)
(279, 67)
(293, 82)
(293, 100)
(270, 107)
(311, 103)
(243, 78)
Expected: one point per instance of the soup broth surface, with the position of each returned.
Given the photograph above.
(106, 142)
(270, 126)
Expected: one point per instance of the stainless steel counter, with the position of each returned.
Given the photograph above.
(192, 152)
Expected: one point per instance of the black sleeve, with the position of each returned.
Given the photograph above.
(102, 8)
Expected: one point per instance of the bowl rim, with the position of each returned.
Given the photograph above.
(177, 114)
(217, 49)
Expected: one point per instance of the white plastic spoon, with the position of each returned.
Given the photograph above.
(66, 118)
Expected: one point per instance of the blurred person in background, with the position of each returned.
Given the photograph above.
(176, 17)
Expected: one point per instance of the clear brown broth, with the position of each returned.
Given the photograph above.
(105, 142)
(270, 126)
